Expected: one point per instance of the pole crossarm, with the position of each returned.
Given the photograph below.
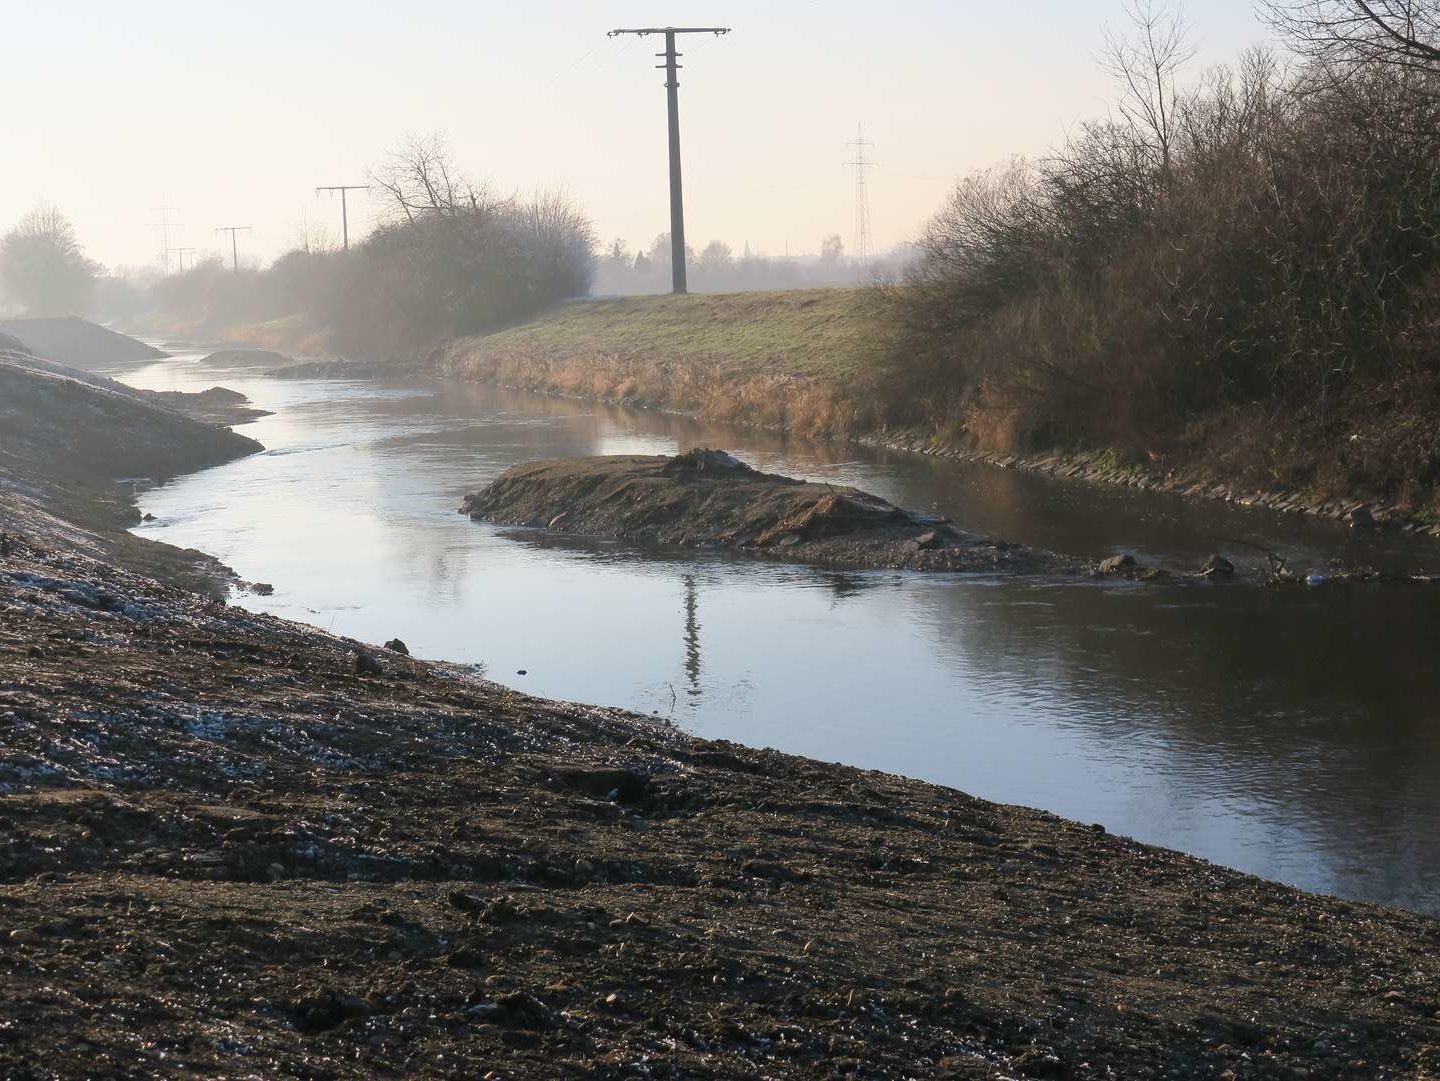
(641, 31)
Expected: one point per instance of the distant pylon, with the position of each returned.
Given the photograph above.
(165, 225)
(860, 162)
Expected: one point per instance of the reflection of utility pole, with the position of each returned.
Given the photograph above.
(234, 251)
(672, 85)
(692, 636)
(344, 210)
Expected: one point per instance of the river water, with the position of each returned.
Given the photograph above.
(1290, 733)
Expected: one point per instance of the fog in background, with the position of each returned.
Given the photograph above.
(233, 117)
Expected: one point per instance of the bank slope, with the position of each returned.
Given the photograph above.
(68, 437)
(794, 359)
(78, 342)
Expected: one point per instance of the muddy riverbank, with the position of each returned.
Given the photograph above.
(75, 447)
(242, 847)
(710, 499)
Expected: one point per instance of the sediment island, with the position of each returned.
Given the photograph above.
(710, 499)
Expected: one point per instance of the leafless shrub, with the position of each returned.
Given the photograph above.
(1268, 252)
(1361, 33)
(449, 259)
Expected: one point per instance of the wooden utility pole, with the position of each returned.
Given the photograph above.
(344, 210)
(234, 251)
(672, 86)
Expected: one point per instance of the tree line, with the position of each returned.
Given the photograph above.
(1244, 269)
(718, 268)
(450, 257)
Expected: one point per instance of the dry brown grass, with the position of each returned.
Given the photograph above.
(797, 360)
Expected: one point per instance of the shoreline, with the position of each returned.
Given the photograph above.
(1089, 467)
(786, 375)
(797, 388)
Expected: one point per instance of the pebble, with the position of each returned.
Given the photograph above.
(24, 937)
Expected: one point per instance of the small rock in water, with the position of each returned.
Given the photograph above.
(1362, 518)
(1217, 566)
(397, 646)
(1117, 563)
(929, 539)
(789, 540)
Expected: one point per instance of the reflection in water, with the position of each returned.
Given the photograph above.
(692, 638)
(1290, 733)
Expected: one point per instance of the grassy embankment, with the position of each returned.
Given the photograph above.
(797, 359)
(293, 335)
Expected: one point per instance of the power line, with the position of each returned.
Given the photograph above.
(344, 210)
(672, 86)
(234, 251)
(860, 162)
(180, 254)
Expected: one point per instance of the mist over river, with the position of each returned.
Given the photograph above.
(1291, 733)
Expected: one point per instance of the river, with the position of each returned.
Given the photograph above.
(1290, 733)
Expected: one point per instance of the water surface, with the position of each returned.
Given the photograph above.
(1290, 733)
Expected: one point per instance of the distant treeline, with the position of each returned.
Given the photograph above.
(450, 259)
(1245, 272)
(717, 268)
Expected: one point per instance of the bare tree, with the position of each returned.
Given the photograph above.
(422, 178)
(716, 258)
(43, 266)
(311, 236)
(1400, 33)
(1146, 62)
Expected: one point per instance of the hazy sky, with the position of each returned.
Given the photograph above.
(233, 114)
